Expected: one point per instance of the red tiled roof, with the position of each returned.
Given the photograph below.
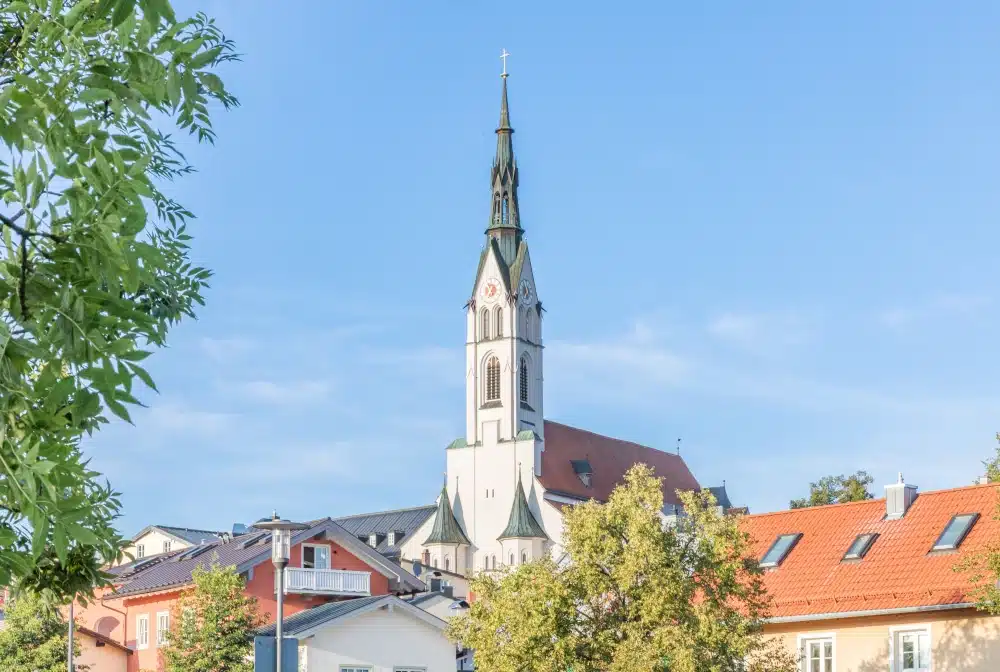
(610, 459)
(897, 572)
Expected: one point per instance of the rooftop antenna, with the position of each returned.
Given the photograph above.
(678, 445)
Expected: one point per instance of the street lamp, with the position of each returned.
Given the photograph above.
(281, 546)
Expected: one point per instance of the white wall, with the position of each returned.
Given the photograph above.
(382, 641)
(153, 543)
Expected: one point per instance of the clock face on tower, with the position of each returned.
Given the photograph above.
(491, 290)
(524, 292)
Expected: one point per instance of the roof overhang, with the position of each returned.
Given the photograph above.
(804, 618)
(389, 602)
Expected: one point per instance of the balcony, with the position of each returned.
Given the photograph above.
(327, 582)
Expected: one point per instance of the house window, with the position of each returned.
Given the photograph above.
(166, 546)
(498, 328)
(140, 551)
(912, 650)
(315, 556)
(427, 558)
(142, 631)
(391, 539)
(954, 533)
(492, 379)
(373, 540)
(781, 547)
(485, 325)
(817, 654)
(447, 562)
(354, 668)
(523, 375)
(493, 561)
(511, 559)
(162, 627)
(524, 557)
(409, 669)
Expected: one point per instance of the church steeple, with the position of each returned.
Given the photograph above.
(505, 219)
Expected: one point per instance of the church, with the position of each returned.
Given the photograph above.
(512, 474)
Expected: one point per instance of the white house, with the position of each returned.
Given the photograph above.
(369, 634)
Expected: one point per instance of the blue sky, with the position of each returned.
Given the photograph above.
(768, 230)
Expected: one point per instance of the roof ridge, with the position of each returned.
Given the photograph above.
(385, 513)
(926, 493)
(186, 529)
(613, 438)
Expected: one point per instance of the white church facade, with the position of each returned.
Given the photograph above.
(512, 474)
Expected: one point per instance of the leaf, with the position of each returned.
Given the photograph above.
(123, 10)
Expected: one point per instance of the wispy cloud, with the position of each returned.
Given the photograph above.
(282, 392)
(935, 307)
(226, 349)
(761, 333)
(184, 420)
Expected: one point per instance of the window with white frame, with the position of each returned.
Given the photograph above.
(354, 668)
(409, 669)
(142, 631)
(315, 556)
(912, 650)
(162, 627)
(140, 551)
(166, 546)
(817, 653)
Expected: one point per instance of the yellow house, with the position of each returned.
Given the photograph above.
(870, 586)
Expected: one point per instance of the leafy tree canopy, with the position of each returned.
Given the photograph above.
(212, 625)
(94, 265)
(993, 465)
(836, 490)
(34, 637)
(635, 595)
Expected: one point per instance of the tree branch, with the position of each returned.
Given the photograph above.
(10, 222)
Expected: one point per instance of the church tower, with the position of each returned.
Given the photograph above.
(496, 465)
(504, 326)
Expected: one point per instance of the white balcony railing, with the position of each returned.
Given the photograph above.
(327, 581)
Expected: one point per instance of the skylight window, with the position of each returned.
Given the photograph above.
(954, 533)
(780, 549)
(859, 548)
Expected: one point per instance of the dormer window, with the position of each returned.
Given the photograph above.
(391, 539)
(373, 540)
(955, 532)
(780, 549)
(583, 470)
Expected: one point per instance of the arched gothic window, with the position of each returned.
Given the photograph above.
(447, 563)
(524, 557)
(499, 322)
(523, 380)
(493, 560)
(492, 379)
(427, 558)
(505, 218)
(485, 326)
(511, 559)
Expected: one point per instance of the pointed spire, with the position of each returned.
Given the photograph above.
(522, 523)
(505, 218)
(446, 529)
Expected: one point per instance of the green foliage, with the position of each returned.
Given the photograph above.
(211, 626)
(636, 595)
(982, 568)
(993, 465)
(94, 264)
(837, 490)
(34, 638)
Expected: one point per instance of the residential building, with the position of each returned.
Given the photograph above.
(99, 653)
(327, 563)
(369, 634)
(155, 539)
(871, 586)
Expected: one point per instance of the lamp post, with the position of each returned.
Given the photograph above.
(281, 546)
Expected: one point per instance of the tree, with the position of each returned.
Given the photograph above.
(993, 465)
(837, 490)
(34, 637)
(94, 264)
(212, 625)
(635, 595)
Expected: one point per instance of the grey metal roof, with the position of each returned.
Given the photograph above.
(522, 523)
(446, 529)
(175, 568)
(721, 496)
(310, 618)
(382, 523)
(190, 535)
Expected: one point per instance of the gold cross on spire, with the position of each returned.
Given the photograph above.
(503, 57)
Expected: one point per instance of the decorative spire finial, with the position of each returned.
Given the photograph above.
(503, 57)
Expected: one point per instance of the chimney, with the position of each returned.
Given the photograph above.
(435, 585)
(449, 591)
(983, 480)
(898, 498)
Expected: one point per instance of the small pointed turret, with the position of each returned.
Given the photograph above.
(522, 523)
(446, 529)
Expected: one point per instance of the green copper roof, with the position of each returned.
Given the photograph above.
(446, 529)
(457, 443)
(505, 217)
(522, 523)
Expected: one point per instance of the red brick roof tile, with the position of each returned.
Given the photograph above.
(610, 459)
(898, 571)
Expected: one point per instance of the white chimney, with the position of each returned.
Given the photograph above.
(898, 498)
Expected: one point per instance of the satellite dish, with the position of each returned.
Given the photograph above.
(417, 568)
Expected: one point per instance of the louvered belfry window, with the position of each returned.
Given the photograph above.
(492, 379)
(524, 380)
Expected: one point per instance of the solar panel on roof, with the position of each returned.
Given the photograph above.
(254, 539)
(955, 531)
